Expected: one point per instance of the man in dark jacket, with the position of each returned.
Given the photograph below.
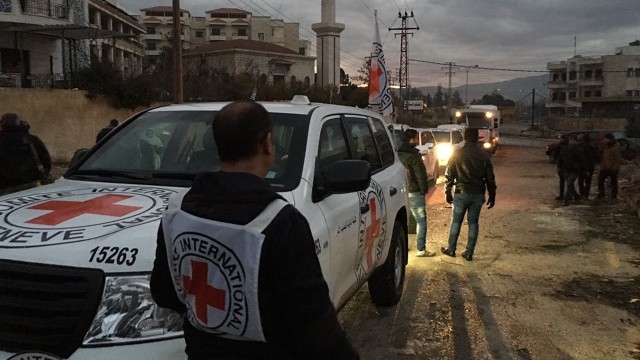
(590, 158)
(240, 262)
(571, 164)
(112, 125)
(24, 157)
(418, 186)
(471, 173)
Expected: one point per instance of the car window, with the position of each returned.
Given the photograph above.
(362, 141)
(333, 145)
(426, 137)
(171, 147)
(384, 143)
(456, 136)
(442, 136)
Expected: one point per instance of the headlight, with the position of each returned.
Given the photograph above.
(486, 145)
(444, 151)
(128, 313)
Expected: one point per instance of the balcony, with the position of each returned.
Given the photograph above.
(557, 84)
(592, 82)
(153, 36)
(152, 52)
(221, 37)
(239, 37)
(46, 8)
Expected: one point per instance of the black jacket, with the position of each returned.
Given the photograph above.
(104, 132)
(298, 318)
(20, 155)
(470, 170)
(416, 172)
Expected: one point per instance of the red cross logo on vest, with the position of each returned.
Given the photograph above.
(205, 295)
(372, 232)
(62, 211)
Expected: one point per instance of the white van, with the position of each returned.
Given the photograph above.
(76, 255)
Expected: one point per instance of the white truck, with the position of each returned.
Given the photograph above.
(485, 118)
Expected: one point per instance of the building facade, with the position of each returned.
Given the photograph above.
(44, 42)
(223, 24)
(609, 83)
(268, 62)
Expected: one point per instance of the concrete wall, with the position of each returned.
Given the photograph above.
(65, 120)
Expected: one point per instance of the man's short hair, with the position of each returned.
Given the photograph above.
(113, 122)
(409, 134)
(239, 128)
(470, 135)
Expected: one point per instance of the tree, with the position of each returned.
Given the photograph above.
(495, 98)
(344, 78)
(363, 72)
(439, 98)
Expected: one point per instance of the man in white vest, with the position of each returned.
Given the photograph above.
(240, 262)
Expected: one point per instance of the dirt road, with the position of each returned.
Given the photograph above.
(546, 282)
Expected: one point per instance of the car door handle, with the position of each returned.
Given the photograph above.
(364, 209)
(393, 191)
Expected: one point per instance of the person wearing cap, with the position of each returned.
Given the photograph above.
(610, 163)
(24, 157)
(470, 172)
(106, 130)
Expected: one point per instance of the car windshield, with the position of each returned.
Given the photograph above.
(477, 120)
(442, 136)
(171, 147)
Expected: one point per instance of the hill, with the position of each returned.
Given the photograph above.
(515, 89)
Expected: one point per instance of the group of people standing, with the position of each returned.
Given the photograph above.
(576, 159)
(469, 175)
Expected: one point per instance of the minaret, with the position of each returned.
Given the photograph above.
(328, 45)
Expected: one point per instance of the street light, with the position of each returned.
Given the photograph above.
(466, 88)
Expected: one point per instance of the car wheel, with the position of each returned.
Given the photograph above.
(387, 282)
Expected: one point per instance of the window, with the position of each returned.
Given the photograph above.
(456, 137)
(362, 142)
(199, 34)
(636, 93)
(588, 74)
(598, 93)
(151, 30)
(302, 51)
(572, 75)
(572, 94)
(629, 92)
(242, 32)
(587, 93)
(384, 143)
(426, 137)
(151, 46)
(598, 74)
(630, 72)
(637, 72)
(260, 36)
(333, 146)
(215, 31)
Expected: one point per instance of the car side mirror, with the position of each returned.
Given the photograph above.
(347, 176)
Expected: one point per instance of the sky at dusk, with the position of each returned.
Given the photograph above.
(503, 34)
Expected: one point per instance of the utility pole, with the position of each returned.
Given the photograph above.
(177, 53)
(533, 108)
(404, 58)
(466, 87)
(450, 66)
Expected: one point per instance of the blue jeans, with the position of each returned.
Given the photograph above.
(470, 204)
(419, 212)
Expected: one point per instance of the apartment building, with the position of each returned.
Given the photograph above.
(607, 85)
(222, 24)
(44, 42)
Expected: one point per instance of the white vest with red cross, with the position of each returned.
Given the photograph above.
(215, 267)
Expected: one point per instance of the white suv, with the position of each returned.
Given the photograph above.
(76, 255)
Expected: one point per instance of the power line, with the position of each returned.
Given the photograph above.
(480, 67)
